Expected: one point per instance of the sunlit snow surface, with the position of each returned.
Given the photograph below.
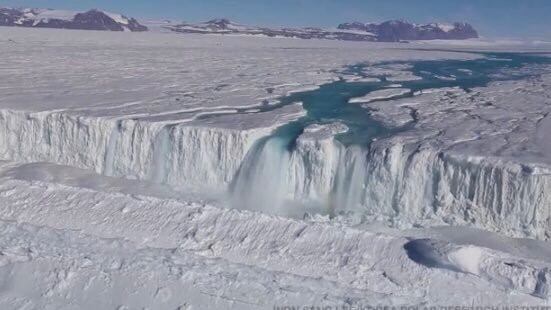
(163, 171)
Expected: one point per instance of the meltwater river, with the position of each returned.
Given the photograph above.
(261, 183)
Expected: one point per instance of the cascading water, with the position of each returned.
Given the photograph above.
(260, 182)
(111, 149)
(161, 153)
(264, 181)
(348, 192)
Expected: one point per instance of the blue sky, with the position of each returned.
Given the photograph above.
(493, 18)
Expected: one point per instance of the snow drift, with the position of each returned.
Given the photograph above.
(509, 272)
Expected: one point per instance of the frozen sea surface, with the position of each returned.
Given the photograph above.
(148, 170)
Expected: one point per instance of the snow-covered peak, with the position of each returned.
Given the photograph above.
(38, 16)
(117, 17)
(53, 14)
(445, 27)
(49, 18)
(226, 24)
(399, 30)
(220, 21)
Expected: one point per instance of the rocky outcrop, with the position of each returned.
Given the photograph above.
(90, 20)
(398, 30)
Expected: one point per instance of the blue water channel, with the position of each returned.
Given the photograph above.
(329, 103)
(261, 174)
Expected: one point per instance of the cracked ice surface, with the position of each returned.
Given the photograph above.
(159, 75)
(485, 152)
(139, 106)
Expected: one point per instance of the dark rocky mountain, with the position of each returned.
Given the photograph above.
(47, 18)
(390, 31)
(397, 30)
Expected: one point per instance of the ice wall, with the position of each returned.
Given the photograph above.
(403, 183)
(409, 183)
(179, 155)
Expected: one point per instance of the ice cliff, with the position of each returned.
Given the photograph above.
(474, 158)
(403, 182)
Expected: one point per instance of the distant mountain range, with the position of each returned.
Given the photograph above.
(47, 18)
(398, 30)
(224, 26)
(389, 31)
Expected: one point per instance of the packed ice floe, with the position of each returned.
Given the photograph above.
(383, 94)
(146, 170)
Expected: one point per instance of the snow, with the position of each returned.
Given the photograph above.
(356, 78)
(120, 149)
(353, 31)
(383, 94)
(45, 15)
(445, 27)
(261, 255)
(117, 18)
(320, 132)
(392, 72)
(213, 27)
(55, 14)
(500, 268)
(467, 259)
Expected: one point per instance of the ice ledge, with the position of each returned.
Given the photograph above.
(399, 180)
(191, 155)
